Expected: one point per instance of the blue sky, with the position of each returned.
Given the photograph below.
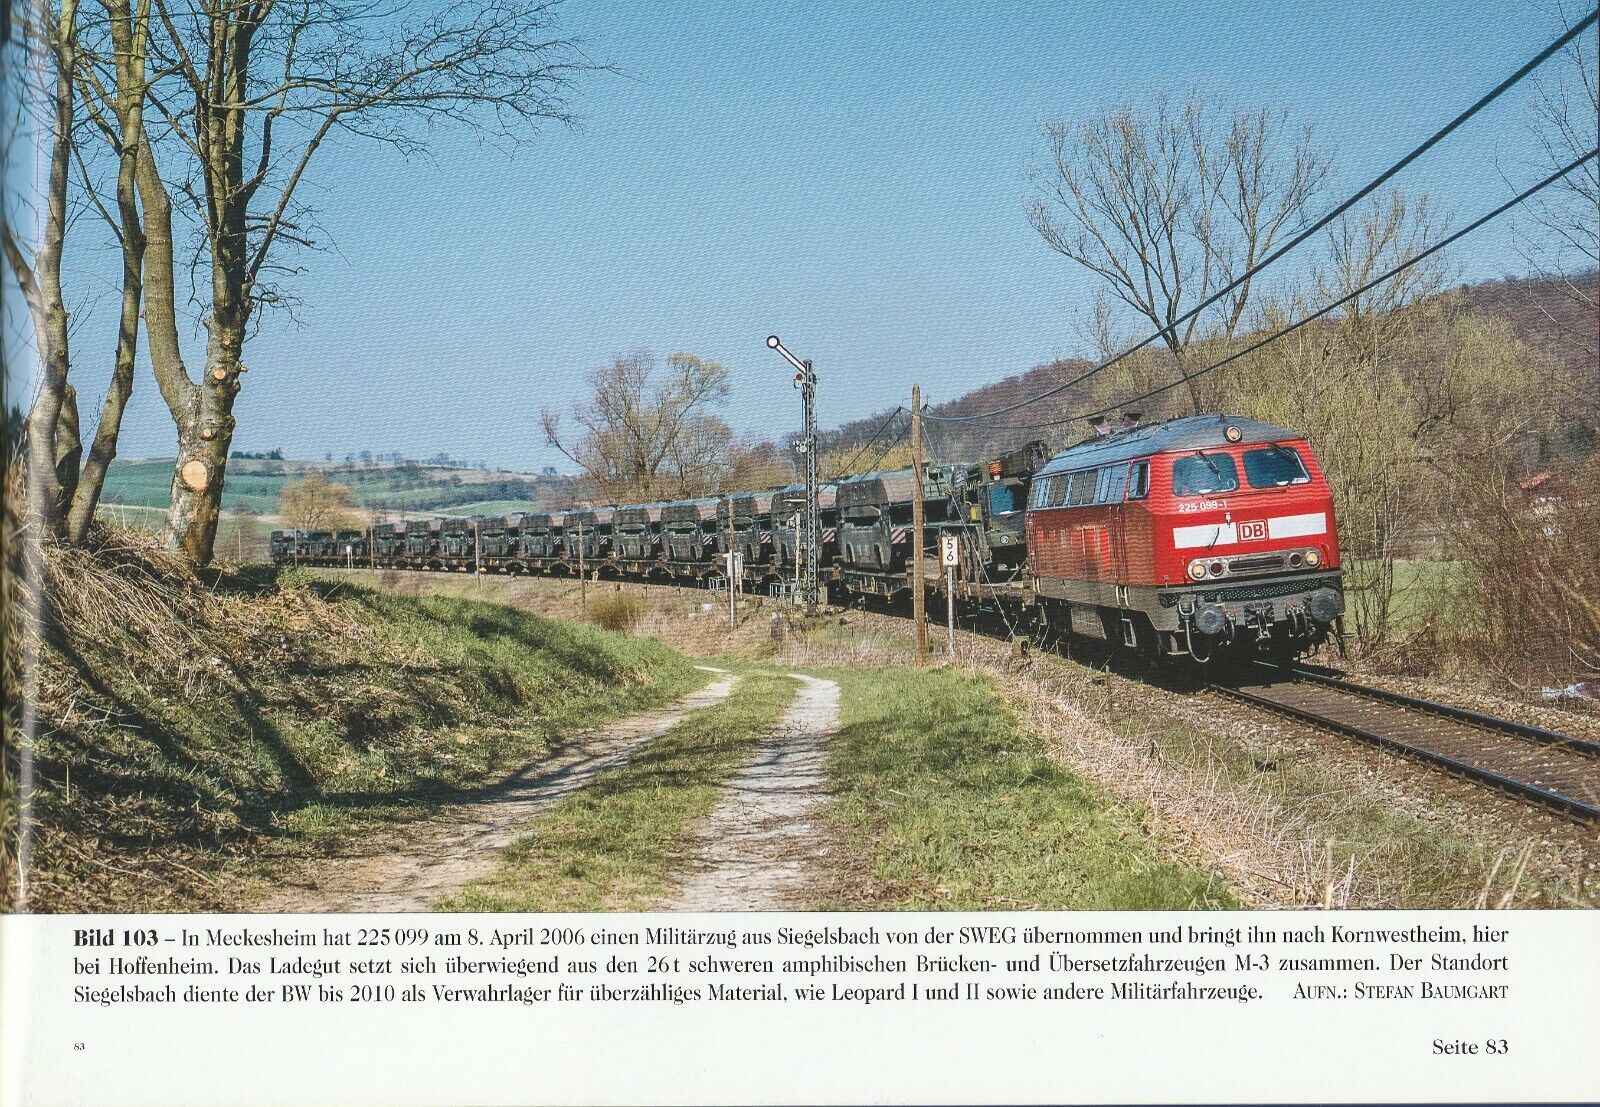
(852, 176)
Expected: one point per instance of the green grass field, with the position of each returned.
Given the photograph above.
(252, 485)
(951, 804)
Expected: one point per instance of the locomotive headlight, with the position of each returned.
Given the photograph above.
(1313, 559)
(1197, 570)
(1216, 568)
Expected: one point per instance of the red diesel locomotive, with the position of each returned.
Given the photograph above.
(1190, 537)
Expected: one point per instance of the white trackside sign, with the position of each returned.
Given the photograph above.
(1210, 535)
(949, 549)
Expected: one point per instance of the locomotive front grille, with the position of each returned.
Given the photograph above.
(1256, 563)
(1267, 590)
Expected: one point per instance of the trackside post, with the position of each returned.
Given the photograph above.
(918, 600)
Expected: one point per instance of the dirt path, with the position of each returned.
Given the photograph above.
(761, 847)
(411, 870)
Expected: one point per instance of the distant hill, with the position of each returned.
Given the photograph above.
(404, 488)
(1539, 313)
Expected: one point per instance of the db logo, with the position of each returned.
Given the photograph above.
(1253, 531)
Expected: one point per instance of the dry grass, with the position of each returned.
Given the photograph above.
(691, 620)
(618, 611)
(616, 844)
(1292, 819)
(186, 721)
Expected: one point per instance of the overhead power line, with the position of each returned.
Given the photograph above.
(1366, 190)
(1320, 312)
(899, 438)
(887, 419)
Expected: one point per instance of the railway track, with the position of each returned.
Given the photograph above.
(1542, 766)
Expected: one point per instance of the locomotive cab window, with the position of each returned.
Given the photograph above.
(1274, 467)
(1083, 486)
(1113, 483)
(1139, 480)
(1203, 474)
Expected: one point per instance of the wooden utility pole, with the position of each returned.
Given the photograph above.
(918, 604)
(733, 584)
(583, 574)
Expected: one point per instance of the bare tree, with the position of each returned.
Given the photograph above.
(117, 111)
(315, 503)
(53, 446)
(1559, 234)
(1166, 206)
(248, 92)
(648, 431)
(62, 496)
(1386, 232)
(1372, 387)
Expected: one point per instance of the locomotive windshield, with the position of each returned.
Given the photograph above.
(1274, 467)
(1204, 474)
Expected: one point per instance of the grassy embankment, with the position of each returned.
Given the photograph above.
(1305, 816)
(615, 845)
(1340, 834)
(950, 803)
(1312, 823)
(945, 797)
(206, 721)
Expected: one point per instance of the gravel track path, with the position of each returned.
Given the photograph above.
(761, 848)
(411, 868)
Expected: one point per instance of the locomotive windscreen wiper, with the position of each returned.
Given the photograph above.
(1212, 465)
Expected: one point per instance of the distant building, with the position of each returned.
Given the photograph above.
(1544, 491)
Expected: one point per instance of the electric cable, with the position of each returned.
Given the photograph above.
(1320, 312)
(844, 471)
(1305, 234)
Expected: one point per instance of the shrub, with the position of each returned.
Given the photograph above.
(619, 611)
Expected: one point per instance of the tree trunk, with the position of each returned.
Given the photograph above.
(129, 33)
(205, 431)
(93, 477)
(42, 288)
(69, 449)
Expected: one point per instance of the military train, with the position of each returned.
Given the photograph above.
(1191, 539)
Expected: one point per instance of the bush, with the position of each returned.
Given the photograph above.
(619, 611)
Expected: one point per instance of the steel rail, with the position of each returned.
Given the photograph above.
(1528, 731)
(1567, 805)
